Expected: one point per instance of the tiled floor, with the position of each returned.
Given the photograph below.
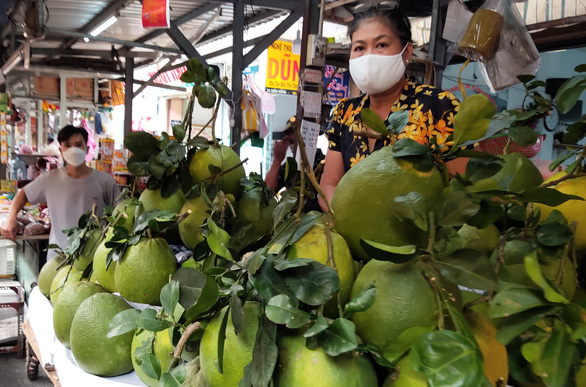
(13, 373)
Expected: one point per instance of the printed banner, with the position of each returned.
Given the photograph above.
(339, 87)
(3, 139)
(282, 69)
(155, 14)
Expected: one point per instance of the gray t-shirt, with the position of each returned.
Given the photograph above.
(69, 198)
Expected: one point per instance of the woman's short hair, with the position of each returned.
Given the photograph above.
(392, 18)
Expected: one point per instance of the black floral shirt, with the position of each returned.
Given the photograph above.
(431, 114)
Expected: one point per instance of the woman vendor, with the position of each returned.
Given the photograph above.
(381, 48)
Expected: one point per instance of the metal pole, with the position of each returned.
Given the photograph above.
(128, 94)
(237, 68)
(63, 101)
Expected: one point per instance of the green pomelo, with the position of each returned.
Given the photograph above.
(363, 201)
(144, 270)
(105, 277)
(87, 254)
(484, 240)
(47, 273)
(190, 228)
(68, 303)
(222, 157)
(299, 366)
(406, 376)
(127, 207)
(237, 348)
(65, 276)
(251, 207)
(152, 200)
(404, 299)
(313, 245)
(95, 352)
(162, 349)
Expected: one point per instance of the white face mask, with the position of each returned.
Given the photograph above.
(74, 156)
(374, 74)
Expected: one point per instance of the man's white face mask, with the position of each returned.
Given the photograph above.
(74, 156)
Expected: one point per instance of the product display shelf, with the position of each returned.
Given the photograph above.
(54, 357)
(11, 318)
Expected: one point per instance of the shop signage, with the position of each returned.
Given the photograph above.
(282, 69)
(339, 87)
(155, 13)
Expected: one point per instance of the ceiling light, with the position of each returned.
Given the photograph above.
(103, 26)
(86, 39)
(296, 48)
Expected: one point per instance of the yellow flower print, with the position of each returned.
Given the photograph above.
(331, 144)
(398, 107)
(445, 94)
(450, 119)
(356, 159)
(364, 146)
(349, 113)
(402, 97)
(427, 92)
(416, 110)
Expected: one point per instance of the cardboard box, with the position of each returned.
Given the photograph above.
(46, 86)
(80, 88)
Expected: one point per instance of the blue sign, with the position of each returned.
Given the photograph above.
(339, 87)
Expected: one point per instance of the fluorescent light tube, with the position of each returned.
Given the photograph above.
(103, 26)
(9, 65)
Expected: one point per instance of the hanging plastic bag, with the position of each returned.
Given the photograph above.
(516, 53)
(481, 39)
(267, 99)
(249, 112)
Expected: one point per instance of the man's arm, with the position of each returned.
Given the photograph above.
(279, 152)
(8, 229)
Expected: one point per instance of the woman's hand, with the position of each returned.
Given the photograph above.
(333, 172)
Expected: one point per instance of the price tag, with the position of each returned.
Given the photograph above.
(309, 134)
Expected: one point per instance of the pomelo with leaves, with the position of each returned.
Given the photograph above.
(209, 164)
(105, 275)
(65, 276)
(92, 241)
(146, 343)
(237, 352)
(190, 228)
(144, 269)
(363, 201)
(47, 273)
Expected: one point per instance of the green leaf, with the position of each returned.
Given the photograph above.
(264, 354)
(557, 358)
(123, 322)
(536, 84)
(501, 121)
(548, 196)
(525, 78)
(469, 268)
(513, 301)
(237, 313)
(168, 380)
(151, 366)
(458, 207)
(574, 133)
(313, 284)
(405, 341)
(170, 186)
(179, 373)
(560, 160)
(533, 269)
(285, 264)
(218, 240)
(407, 147)
(398, 121)
(580, 68)
(411, 207)
(338, 338)
(305, 224)
(148, 320)
(373, 121)
(362, 301)
(198, 70)
(197, 291)
(141, 143)
(284, 207)
(269, 282)
(170, 297)
(523, 135)
(554, 234)
(513, 326)
(178, 132)
(207, 97)
(221, 340)
(569, 93)
(443, 355)
(478, 169)
(156, 167)
(139, 168)
(382, 252)
(319, 325)
(145, 348)
(473, 119)
(281, 310)
(221, 89)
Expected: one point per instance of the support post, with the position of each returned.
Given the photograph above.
(63, 101)
(128, 94)
(237, 68)
(40, 126)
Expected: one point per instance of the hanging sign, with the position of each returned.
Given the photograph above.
(3, 139)
(339, 87)
(282, 68)
(155, 14)
(309, 133)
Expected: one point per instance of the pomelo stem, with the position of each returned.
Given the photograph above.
(328, 231)
(301, 193)
(214, 178)
(560, 274)
(181, 344)
(553, 183)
